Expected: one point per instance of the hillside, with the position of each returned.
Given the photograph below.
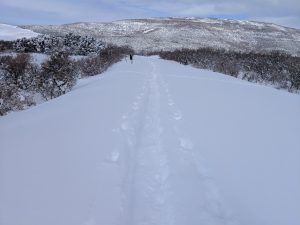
(146, 35)
(10, 33)
(153, 142)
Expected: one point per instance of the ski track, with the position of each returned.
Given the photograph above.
(161, 186)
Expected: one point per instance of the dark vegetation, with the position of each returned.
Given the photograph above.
(71, 43)
(275, 68)
(6, 45)
(99, 63)
(22, 81)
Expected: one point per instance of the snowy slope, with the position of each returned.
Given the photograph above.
(10, 33)
(154, 142)
(146, 35)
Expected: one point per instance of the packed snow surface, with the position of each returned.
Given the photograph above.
(154, 142)
(11, 33)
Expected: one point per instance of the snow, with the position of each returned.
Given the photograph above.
(154, 142)
(39, 58)
(148, 31)
(11, 33)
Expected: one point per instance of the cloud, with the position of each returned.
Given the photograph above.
(63, 9)
(285, 12)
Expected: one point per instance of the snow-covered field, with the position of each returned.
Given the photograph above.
(11, 33)
(154, 142)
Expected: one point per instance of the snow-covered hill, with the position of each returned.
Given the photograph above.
(10, 33)
(153, 142)
(146, 35)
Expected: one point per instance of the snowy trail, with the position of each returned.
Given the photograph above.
(147, 190)
(153, 143)
(163, 177)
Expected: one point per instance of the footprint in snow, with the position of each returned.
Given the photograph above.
(115, 156)
(110, 159)
(170, 103)
(124, 126)
(177, 116)
(186, 143)
(135, 107)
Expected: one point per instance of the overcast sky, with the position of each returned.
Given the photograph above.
(283, 12)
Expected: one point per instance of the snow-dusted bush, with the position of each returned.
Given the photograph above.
(89, 66)
(57, 76)
(12, 98)
(99, 63)
(17, 78)
(17, 70)
(294, 74)
(276, 68)
(70, 43)
(21, 80)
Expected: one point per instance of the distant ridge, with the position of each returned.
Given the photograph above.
(156, 34)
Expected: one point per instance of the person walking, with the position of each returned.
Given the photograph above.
(131, 58)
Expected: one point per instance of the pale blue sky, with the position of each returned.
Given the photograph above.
(283, 12)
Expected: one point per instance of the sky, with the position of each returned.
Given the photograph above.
(20, 12)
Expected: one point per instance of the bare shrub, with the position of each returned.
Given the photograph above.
(99, 63)
(21, 80)
(16, 70)
(5, 45)
(277, 68)
(11, 98)
(57, 76)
